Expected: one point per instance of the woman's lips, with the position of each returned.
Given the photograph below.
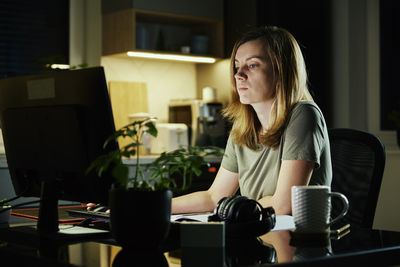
(242, 88)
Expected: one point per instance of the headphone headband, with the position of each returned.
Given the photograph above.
(244, 217)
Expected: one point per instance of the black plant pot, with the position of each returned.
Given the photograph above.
(140, 219)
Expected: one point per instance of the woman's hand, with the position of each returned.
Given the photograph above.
(89, 206)
(92, 206)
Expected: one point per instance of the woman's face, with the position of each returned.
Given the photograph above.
(253, 74)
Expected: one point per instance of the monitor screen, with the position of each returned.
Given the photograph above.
(53, 126)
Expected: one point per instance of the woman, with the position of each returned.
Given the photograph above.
(279, 137)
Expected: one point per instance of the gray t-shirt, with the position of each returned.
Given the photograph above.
(305, 138)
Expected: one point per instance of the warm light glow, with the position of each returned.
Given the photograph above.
(58, 66)
(195, 59)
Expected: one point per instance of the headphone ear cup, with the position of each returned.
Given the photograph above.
(246, 210)
(218, 208)
(224, 210)
(255, 221)
(238, 209)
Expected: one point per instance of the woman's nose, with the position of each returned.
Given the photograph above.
(240, 74)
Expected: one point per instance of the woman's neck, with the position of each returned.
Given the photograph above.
(263, 111)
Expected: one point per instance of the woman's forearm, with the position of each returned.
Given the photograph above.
(225, 184)
(195, 202)
(281, 207)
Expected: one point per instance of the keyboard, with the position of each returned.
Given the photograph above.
(87, 214)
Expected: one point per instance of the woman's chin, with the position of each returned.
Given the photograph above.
(244, 101)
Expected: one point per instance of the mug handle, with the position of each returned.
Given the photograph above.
(345, 206)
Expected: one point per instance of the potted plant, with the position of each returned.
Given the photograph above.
(394, 116)
(140, 204)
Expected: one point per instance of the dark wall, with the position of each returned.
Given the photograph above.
(32, 34)
(200, 8)
(390, 58)
(308, 21)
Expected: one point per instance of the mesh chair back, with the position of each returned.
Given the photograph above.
(358, 161)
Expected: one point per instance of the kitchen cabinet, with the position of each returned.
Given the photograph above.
(144, 30)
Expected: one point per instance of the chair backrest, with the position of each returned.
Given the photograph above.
(358, 162)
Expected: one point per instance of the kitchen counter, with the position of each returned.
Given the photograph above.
(132, 161)
(147, 159)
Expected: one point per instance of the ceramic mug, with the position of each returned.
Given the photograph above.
(311, 208)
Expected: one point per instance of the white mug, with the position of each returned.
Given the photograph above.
(311, 208)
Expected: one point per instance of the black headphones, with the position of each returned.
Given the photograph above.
(244, 217)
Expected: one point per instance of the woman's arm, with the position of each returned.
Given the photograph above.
(225, 184)
(293, 172)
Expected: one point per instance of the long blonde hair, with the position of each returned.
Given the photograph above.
(289, 71)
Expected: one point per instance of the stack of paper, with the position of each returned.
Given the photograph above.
(283, 222)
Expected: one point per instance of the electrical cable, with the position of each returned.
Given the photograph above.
(16, 197)
(20, 205)
(9, 200)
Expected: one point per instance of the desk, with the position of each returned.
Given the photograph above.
(360, 246)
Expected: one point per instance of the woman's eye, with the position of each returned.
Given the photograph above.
(252, 66)
(235, 69)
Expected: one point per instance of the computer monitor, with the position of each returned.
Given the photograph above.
(54, 125)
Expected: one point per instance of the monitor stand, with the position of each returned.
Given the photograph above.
(48, 210)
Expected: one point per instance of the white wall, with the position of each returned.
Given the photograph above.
(85, 32)
(215, 75)
(165, 80)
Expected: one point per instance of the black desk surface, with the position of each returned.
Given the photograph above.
(359, 246)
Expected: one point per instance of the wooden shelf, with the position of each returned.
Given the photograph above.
(121, 32)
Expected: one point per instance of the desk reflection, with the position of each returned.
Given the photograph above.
(360, 246)
(145, 258)
(273, 247)
(280, 241)
(289, 249)
(250, 251)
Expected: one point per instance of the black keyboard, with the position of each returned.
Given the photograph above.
(87, 214)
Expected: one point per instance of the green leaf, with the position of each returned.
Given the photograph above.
(175, 168)
(120, 173)
(151, 129)
(197, 172)
(131, 132)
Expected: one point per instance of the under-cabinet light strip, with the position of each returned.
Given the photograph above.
(58, 66)
(196, 59)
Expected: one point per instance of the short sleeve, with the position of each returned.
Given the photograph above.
(229, 160)
(304, 135)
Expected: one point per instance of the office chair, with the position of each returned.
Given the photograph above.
(358, 162)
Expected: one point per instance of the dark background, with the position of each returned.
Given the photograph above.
(32, 34)
(390, 59)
